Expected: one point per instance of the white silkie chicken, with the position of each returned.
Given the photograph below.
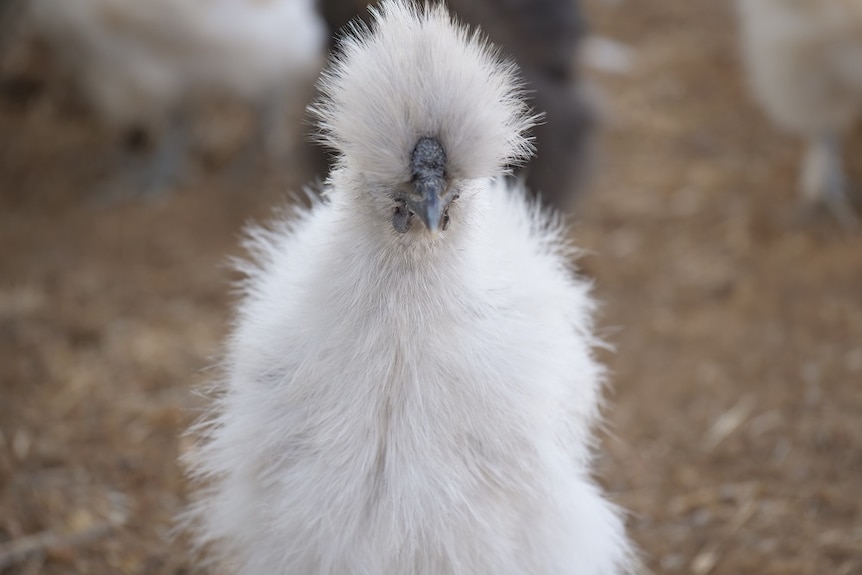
(804, 59)
(144, 62)
(410, 387)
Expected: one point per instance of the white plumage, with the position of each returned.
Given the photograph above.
(804, 59)
(141, 62)
(410, 387)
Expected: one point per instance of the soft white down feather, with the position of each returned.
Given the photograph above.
(804, 59)
(410, 386)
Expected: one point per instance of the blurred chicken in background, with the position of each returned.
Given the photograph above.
(544, 37)
(9, 10)
(144, 63)
(804, 59)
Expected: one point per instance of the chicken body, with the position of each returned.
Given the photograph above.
(410, 388)
(143, 63)
(804, 59)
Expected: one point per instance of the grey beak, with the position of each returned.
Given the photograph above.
(428, 202)
(429, 198)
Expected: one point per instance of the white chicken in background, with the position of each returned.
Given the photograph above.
(410, 387)
(145, 62)
(804, 59)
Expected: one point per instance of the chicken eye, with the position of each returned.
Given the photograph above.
(401, 217)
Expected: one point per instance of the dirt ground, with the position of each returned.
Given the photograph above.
(735, 416)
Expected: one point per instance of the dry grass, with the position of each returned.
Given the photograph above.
(737, 436)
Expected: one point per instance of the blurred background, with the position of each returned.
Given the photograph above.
(734, 433)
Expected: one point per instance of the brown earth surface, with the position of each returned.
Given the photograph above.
(735, 415)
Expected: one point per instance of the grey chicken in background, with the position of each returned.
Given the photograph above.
(9, 10)
(544, 38)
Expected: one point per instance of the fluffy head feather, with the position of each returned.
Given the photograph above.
(418, 74)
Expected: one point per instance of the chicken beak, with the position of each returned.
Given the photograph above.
(428, 195)
(429, 202)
